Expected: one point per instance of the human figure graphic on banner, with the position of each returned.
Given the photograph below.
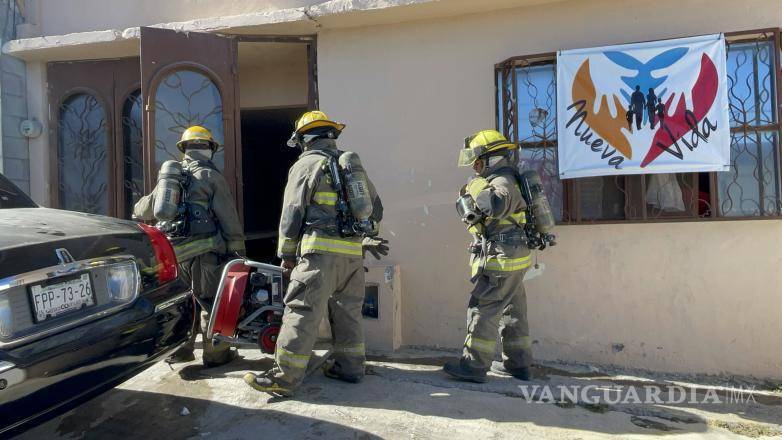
(660, 110)
(651, 106)
(629, 116)
(637, 104)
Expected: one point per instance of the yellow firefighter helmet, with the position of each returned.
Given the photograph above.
(315, 119)
(483, 143)
(196, 133)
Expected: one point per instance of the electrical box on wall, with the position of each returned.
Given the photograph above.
(30, 128)
(371, 307)
(382, 308)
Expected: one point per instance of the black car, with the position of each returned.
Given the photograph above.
(86, 301)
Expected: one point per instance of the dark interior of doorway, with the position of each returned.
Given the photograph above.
(265, 163)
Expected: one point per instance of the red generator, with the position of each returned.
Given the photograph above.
(248, 305)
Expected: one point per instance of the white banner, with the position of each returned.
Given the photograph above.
(657, 107)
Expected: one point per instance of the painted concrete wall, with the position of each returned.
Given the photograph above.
(14, 153)
(15, 149)
(56, 17)
(39, 148)
(272, 75)
(688, 297)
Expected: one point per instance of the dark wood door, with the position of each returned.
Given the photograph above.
(85, 125)
(189, 79)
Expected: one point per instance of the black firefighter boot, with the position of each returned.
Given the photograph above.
(459, 370)
(521, 373)
(333, 370)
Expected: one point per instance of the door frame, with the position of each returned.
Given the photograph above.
(313, 96)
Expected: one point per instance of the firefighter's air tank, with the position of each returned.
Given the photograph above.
(168, 192)
(532, 186)
(357, 188)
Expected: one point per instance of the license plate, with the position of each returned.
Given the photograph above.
(57, 299)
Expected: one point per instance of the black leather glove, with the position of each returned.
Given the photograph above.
(376, 246)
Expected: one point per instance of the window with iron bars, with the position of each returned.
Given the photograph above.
(527, 115)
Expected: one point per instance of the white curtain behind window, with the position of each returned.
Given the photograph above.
(664, 192)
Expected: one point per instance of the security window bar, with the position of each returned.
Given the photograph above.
(526, 114)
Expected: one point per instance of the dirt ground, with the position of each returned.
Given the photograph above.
(406, 397)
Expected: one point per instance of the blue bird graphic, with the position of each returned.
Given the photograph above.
(644, 78)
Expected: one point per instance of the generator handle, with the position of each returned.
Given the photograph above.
(266, 267)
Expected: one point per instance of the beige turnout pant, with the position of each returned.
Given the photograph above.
(321, 282)
(498, 303)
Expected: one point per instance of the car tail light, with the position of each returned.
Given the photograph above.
(6, 317)
(164, 254)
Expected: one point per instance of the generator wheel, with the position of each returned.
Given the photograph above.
(268, 338)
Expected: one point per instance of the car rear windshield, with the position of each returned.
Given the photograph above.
(13, 197)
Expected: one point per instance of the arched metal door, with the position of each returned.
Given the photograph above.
(85, 129)
(189, 79)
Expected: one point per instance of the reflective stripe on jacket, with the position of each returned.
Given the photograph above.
(501, 201)
(192, 247)
(309, 219)
(318, 242)
(209, 189)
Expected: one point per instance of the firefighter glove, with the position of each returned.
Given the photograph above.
(376, 246)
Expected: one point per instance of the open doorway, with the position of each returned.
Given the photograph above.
(265, 162)
(274, 80)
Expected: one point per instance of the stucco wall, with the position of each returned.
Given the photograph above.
(272, 75)
(14, 153)
(56, 17)
(690, 297)
(39, 148)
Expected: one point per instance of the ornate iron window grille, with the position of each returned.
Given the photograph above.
(751, 190)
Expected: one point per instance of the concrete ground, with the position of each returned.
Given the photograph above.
(407, 397)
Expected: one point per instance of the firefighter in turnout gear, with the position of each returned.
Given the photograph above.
(325, 260)
(494, 209)
(203, 226)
